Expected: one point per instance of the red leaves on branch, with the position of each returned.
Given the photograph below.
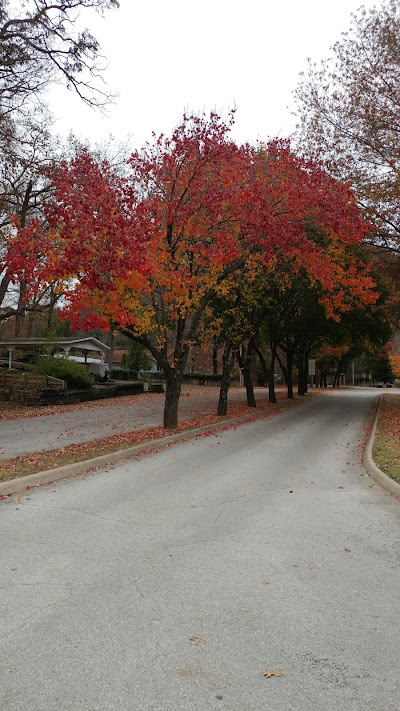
(150, 249)
(31, 257)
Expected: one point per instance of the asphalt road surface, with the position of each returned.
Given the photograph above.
(171, 582)
(89, 421)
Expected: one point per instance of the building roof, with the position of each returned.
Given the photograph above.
(87, 343)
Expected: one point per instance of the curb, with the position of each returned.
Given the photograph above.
(49, 476)
(380, 477)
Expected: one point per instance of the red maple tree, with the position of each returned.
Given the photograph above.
(149, 251)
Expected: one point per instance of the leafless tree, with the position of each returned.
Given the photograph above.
(40, 44)
(349, 115)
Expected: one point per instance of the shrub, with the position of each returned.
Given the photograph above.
(136, 358)
(124, 374)
(75, 374)
(202, 378)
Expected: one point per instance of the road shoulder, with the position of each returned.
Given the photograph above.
(373, 470)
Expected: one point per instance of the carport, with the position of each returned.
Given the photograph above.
(86, 345)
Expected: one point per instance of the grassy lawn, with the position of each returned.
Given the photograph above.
(386, 451)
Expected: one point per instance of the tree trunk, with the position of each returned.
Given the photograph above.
(336, 379)
(289, 382)
(22, 288)
(110, 343)
(228, 360)
(268, 374)
(20, 316)
(173, 381)
(287, 372)
(215, 360)
(271, 380)
(244, 365)
(300, 384)
(302, 364)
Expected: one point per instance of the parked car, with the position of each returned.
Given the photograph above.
(97, 368)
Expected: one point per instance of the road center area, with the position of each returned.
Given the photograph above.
(174, 581)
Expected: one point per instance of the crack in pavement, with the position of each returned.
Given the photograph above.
(236, 498)
(33, 616)
(93, 515)
(189, 543)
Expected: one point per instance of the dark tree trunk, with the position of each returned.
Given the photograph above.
(287, 371)
(3, 287)
(22, 288)
(302, 364)
(289, 381)
(336, 379)
(50, 314)
(244, 365)
(263, 364)
(269, 374)
(300, 384)
(271, 380)
(215, 360)
(173, 380)
(20, 315)
(110, 343)
(306, 356)
(228, 360)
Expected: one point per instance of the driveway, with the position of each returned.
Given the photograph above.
(170, 583)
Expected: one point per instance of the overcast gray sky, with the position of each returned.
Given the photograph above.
(168, 56)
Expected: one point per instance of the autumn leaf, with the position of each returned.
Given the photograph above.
(272, 672)
(197, 640)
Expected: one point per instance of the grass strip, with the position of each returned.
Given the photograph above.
(386, 451)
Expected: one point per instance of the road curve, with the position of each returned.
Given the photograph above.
(172, 582)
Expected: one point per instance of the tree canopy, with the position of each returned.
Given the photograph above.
(349, 116)
(40, 43)
(195, 216)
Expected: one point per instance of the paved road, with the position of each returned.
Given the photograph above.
(90, 421)
(268, 543)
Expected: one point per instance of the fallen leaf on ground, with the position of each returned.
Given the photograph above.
(355, 591)
(272, 672)
(197, 640)
(265, 582)
(347, 550)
